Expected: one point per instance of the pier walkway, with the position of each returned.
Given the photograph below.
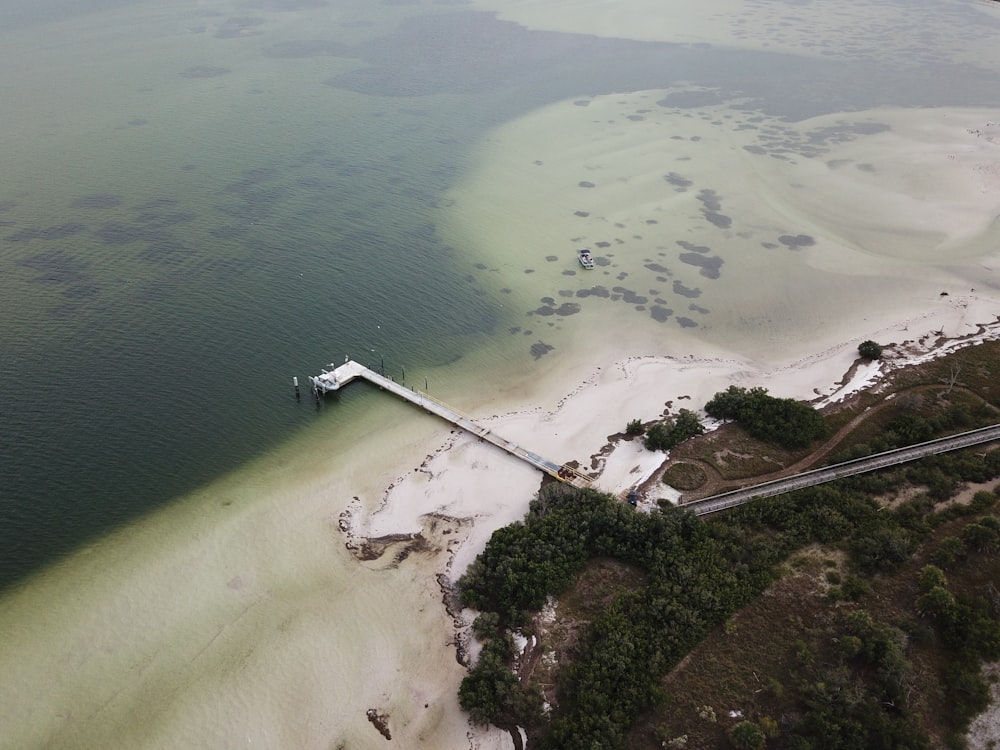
(334, 378)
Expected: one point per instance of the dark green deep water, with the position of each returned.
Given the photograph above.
(155, 309)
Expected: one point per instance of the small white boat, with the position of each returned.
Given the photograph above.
(585, 260)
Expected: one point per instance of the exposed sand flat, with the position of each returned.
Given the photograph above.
(925, 188)
(722, 220)
(238, 618)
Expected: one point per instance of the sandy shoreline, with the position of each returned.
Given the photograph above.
(253, 613)
(259, 610)
(246, 626)
(467, 479)
(464, 477)
(240, 615)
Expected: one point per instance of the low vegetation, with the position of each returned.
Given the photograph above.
(878, 646)
(663, 436)
(684, 476)
(698, 575)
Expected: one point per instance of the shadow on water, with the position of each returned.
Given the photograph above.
(474, 53)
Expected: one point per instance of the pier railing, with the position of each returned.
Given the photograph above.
(335, 379)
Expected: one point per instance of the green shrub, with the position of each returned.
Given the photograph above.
(853, 589)
(870, 350)
(782, 421)
(949, 551)
(663, 436)
(634, 427)
(983, 500)
(747, 736)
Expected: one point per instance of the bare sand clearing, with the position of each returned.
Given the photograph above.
(984, 733)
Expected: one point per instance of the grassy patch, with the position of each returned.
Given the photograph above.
(757, 664)
(685, 476)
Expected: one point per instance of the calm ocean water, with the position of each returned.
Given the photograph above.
(201, 201)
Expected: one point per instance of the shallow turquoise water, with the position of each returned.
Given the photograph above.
(201, 202)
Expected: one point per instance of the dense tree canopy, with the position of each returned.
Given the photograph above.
(782, 421)
(692, 587)
(696, 575)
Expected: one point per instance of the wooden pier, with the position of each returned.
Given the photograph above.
(334, 378)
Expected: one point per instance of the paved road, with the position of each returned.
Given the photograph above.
(846, 469)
